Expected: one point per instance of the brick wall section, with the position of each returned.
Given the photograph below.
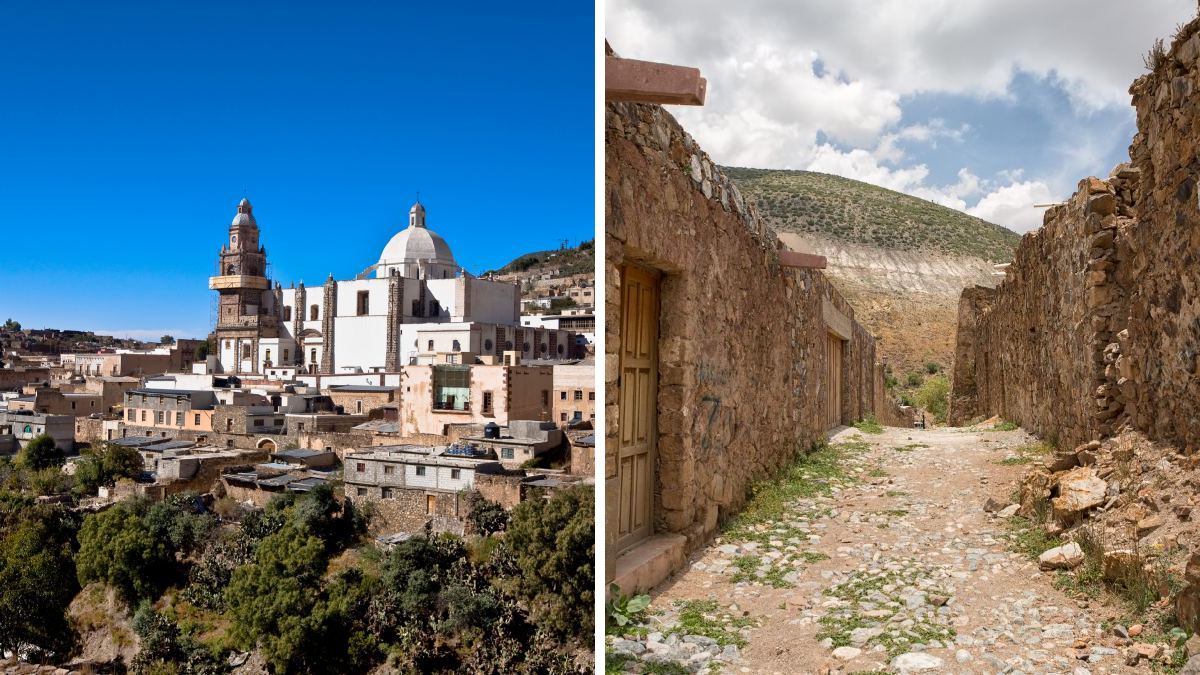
(1098, 324)
(742, 348)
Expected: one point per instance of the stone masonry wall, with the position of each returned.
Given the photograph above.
(1098, 325)
(742, 342)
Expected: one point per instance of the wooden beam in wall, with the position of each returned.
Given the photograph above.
(808, 261)
(636, 81)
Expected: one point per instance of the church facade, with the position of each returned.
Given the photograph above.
(416, 305)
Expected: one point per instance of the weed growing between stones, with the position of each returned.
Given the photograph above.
(888, 608)
(1029, 538)
(1027, 454)
(910, 447)
(707, 619)
(1004, 425)
(868, 425)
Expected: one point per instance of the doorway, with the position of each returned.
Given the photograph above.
(637, 405)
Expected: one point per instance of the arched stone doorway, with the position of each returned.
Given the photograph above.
(267, 445)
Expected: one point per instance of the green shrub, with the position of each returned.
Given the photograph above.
(933, 367)
(914, 379)
(868, 425)
(934, 396)
(40, 452)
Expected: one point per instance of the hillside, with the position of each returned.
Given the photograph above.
(851, 211)
(562, 262)
(901, 261)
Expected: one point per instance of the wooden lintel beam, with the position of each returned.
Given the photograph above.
(636, 81)
(808, 261)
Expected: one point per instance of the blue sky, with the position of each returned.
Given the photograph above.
(987, 106)
(130, 130)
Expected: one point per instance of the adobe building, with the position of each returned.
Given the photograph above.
(435, 398)
(575, 392)
(726, 356)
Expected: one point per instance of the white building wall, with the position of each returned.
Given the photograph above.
(359, 342)
(493, 301)
(443, 290)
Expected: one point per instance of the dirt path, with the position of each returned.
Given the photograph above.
(890, 565)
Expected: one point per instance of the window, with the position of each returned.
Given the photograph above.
(455, 473)
(591, 396)
(361, 492)
(506, 453)
(364, 299)
(562, 395)
(143, 415)
(360, 467)
(267, 356)
(455, 346)
(429, 348)
(358, 407)
(487, 402)
(258, 423)
(560, 349)
(420, 471)
(196, 419)
(545, 397)
(312, 355)
(300, 426)
(285, 356)
(245, 351)
(72, 405)
(508, 345)
(313, 313)
(228, 424)
(387, 493)
(487, 345)
(287, 313)
(178, 419)
(158, 417)
(578, 395)
(129, 414)
(562, 417)
(227, 344)
(388, 470)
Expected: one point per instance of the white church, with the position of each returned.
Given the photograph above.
(414, 306)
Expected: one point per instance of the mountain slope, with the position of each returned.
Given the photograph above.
(901, 261)
(562, 262)
(851, 211)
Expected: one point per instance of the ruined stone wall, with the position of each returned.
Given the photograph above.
(743, 347)
(1098, 325)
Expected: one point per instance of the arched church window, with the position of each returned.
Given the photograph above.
(313, 313)
(268, 356)
(312, 355)
(430, 347)
(456, 346)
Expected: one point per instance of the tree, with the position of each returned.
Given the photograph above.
(104, 465)
(167, 340)
(934, 396)
(119, 548)
(486, 516)
(553, 544)
(40, 452)
(12, 326)
(272, 600)
(37, 583)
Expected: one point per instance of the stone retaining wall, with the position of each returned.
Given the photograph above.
(743, 342)
(1098, 324)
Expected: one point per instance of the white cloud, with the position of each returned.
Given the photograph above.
(791, 83)
(1013, 205)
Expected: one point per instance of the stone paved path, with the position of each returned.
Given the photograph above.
(895, 568)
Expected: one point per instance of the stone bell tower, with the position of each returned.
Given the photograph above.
(244, 312)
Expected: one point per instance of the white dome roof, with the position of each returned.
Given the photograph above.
(245, 214)
(416, 242)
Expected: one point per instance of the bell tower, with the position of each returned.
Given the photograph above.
(245, 314)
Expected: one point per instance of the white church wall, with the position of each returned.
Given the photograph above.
(359, 342)
(444, 291)
(493, 301)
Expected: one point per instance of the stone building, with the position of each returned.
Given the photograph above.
(726, 357)
(522, 441)
(361, 399)
(574, 392)
(436, 397)
(418, 303)
(1096, 326)
(169, 413)
(17, 428)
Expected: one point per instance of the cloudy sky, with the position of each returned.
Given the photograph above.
(985, 106)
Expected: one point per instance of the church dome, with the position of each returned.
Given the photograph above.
(245, 214)
(416, 243)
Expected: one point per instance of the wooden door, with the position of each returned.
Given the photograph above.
(833, 403)
(638, 405)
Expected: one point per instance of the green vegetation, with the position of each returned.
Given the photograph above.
(1005, 425)
(933, 367)
(623, 610)
(934, 396)
(866, 589)
(868, 425)
(11, 326)
(40, 452)
(105, 464)
(166, 340)
(814, 473)
(705, 617)
(37, 577)
(856, 212)
(487, 517)
(580, 259)
(1027, 454)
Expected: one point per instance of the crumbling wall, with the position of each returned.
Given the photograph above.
(743, 346)
(1097, 326)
